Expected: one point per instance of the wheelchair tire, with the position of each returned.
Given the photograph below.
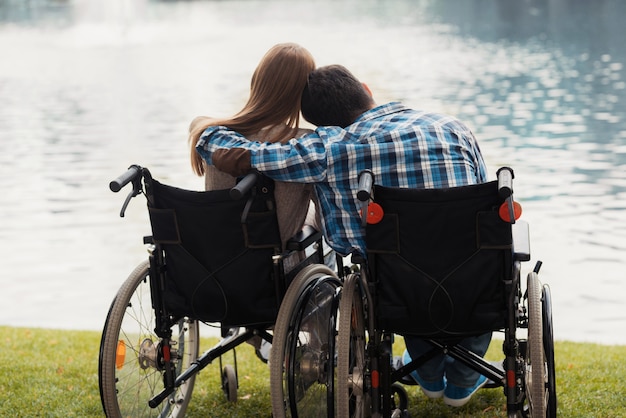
(351, 397)
(303, 347)
(535, 358)
(548, 346)
(127, 373)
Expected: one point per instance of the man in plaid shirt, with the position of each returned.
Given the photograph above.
(401, 146)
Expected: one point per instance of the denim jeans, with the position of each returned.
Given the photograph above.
(455, 372)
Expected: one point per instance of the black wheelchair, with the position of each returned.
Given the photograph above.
(214, 257)
(442, 265)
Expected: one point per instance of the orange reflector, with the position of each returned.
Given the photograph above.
(120, 354)
(374, 213)
(374, 378)
(504, 211)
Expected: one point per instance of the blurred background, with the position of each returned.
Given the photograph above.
(89, 87)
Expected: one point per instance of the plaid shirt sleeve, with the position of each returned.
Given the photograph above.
(300, 160)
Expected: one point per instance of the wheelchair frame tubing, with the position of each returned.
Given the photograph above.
(374, 342)
(157, 287)
(512, 368)
(374, 373)
(163, 324)
(385, 373)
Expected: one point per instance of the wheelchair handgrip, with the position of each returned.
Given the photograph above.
(505, 181)
(244, 185)
(132, 172)
(366, 180)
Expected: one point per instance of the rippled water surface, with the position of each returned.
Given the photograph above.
(90, 87)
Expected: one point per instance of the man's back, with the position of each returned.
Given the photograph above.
(403, 148)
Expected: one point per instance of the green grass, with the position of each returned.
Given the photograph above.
(48, 373)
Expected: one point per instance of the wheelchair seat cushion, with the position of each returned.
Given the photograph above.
(439, 258)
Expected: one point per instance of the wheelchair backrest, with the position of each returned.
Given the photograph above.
(439, 258)
(218, 266)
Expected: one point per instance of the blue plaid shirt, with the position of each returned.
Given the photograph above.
(402, 147)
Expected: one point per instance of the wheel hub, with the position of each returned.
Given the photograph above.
(310, 369)
(356, 381)
(148, 354)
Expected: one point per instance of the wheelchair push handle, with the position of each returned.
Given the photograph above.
(366, 182)
(505, 182)
(134, 174)
(131, 174)
(244, 185)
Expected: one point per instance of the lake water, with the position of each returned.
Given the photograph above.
(89, 87)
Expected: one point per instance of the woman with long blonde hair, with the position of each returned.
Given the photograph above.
(272, 114)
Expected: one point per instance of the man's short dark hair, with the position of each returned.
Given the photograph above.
(334, 97)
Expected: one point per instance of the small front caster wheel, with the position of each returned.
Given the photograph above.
(229, 383)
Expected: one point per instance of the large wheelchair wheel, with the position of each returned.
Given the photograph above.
(128, 371)
(536, 372)
(351, 400)
(303, 348)
(548, 346)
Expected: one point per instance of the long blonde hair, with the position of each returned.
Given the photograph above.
(275, 93)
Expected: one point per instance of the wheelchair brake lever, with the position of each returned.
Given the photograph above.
(126, 202)
(136, 190)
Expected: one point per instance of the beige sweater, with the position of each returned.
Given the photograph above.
(292, 199)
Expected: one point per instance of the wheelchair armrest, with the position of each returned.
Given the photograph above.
(307, 236)
(521, 241)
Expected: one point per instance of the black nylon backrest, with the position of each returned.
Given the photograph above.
(439, 257)
(212, 274)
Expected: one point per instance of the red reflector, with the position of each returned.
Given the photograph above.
(510, 379)
(375, 379)
(504, 211)
(166, 353)
(374, 213)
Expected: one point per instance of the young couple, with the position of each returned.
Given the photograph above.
(401, 146)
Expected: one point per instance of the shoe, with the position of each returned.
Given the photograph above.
(458, 396)
(433, 390)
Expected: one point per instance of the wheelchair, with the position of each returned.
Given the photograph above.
(441, 265)
(214, 257)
